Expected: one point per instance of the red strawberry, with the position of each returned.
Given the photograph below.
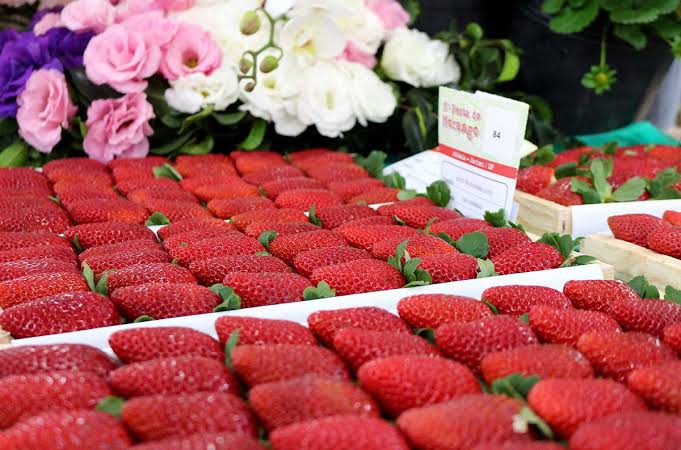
(123, 259)
(565, 326)
(289, 246)
(272, 189)
(255, 163)
(358, 346)
(300, 155)
(179, 240)
(529, 257)
(566, 403)
(411, 381)
(672, 337)
(419, 246)
(232, 244)
(56, 168)
(305, 263)
(561, 192)
(365, 236)
(433, 310)
(150, 195)
(16, 269)
(629, 430)
(303, 199)
(367, 221)
(148, 273)
(255, 229)
(177, 211)
(31, 287)
(334, 173)
(162, 416)
(358, 276)
(227, 190)
(144, 344)
(451, 425)
(20, 203)
(241, 221)
(33, 359)
(455, 228)
(668, 153)
(298, 400)
(470, 342)
(517, 300)
(34, 219)
(100, 210)
(194, 183)
(659, 386)
(173, 375)
(325, 324)
(633, 228)
(615, 354)
(537, 445)
(14, 176)
(257, 364)
(352, 188)
(389, 210)
(164, 300)
(335, 216)
(72, 194)
(376, 196)
(222, 169)
(203, 441)
(666, 239)
(254, 331)
(502, 239)
(543, 360)
(201, 160)
(129, 185)
(25, 396)
(533, 179)
(338, 433)
(646, 315)
(214, 270)
(17, 241)
(129, 173)
(276, 173)
(67, 430)
(59, 252)
(419, 216)
(598, 295)
(450, 267)
(193, 224)
(61, 313)
(672, 217)
(325, 160)
(109, 249)
(94, 234)
(225, 208)
(262, 289)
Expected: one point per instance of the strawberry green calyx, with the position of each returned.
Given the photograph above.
(230, 300)
(101, 288)
(76, 244)
(474, 244)
(672, 294)
(312, 216)
(531, 418)
(540, 157)
(643, 288)
(407, 194)
(156, 219)
(111, 405)
(498, 220)
(661, 187)
(426, 333)
(601, 191)
(491, 306)
(373, 163)
(409, 268)
(438, 192)
(89, 275)
(486, 268)
(322, 290)
(167, 171)
(55, 199)
(230, 345)
(394, 180)
(518, 387)
(525, 318)
(266, 237)
(564, 244)
(144, 318)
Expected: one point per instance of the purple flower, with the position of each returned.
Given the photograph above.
(67, 46)
(18, 59)
(7, 35)
(40, 14)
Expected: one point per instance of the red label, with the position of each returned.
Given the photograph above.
(480, 163)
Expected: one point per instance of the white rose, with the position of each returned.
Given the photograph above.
(411, 56)
(192, 93)
(312, 35)
(372, 100)
(362, 26)
(325, 99)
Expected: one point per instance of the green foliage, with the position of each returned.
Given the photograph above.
(409, 267)
(322, 290)
(312, 216)
(643, 288)
(564, 244)
(601, 191)
(373, 163)
(230, 299)
(230, 345)
(156, 219)
(111, 405)
(266, 237)
(475, 244)
(540, 157)
(486, 268)
(660, 188)
(439, 193)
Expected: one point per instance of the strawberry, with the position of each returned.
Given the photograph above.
(164, 300)
(450, 267)
(543, 360)
(502, 239)
(306, 262)
(262, 289)
(357, 346)
(67, 430)
(223, 169)
(455, 228)
(173, 375)
(253, 163)
(367, 221)
(451, 425)
(571, 155)
(289, 246)
(672, 337)
(31, 287)
(338, 433)
(16, 269)
(646, 315)
(629, 430)
(60, 313)
(303, 199)
(193, 224)
(561, 192)
(529, 257)
(94, 234)
(132, 173)
(298, 400)
(142, 196)
(180, 240)
(13, 176)
(59, 252)
(276, 173)
(417, 216)
(127, 186)
(272, 189)
(389, 210)
(412, 381)
(123, 259)
(633, 228)
(241, 221)
(376, 196)
(325, 324)
(109, 249)
(672, 217)
(22, 240)
(34, 359)
(537, 445)
(213, 271)
(566, 403)
(565, 326)
(194, 183)
(226, 190)
(352, 188)
(335, 216)
(332, 173)
(433, 310)
(598, 295)
(329, 159)
(255, 229)
(203, 441)
(517, 300)
(300, 155)
(228, 245)
(100, 210)
(534, 178)
(225, 208)
(34, 219)
(666, 240)
(20, 203)
(659, 386)
(162, 416)
(365, 236)
(148, 273)
(470, 342)
(72, 165)
(68, 197)
(668, 153)
(28, 395)
(257, 364)
(144, 344)
(358, 276)
(176, 211)
(254, 331)
(615, 354)
(206, 159)
(419, 246)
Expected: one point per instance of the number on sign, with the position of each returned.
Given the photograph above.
(496, 134)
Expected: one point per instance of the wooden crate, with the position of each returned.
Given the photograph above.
(540, 216)
(630, 260)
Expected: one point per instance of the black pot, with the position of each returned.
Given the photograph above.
(492, 15)
(553, 65)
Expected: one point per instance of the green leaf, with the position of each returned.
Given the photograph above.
(447, 238)
(636, 11)
(438, 192)
(588, 193)
(668, 26)
(631, 190)
(643, 288)
(566, 170)
(632, 34)
(525, 318)
(198, 148)
(266, 237)
(76, 244)
(491, 306)
(396, 260)
(406, 194)
(322, 290)
(413, 275)
(413, 7)
(486, 268)
(672, 294)
(412, 131)
(394, 180)
(510, 68)
(533, 419)
(255, 135)
(156, 219)
(574, 20)
(167, 171)
(426, 333)
(564, 244)
(515, 386)
(89, 276)
(171, 120)
(8, 126)
(496, 219)
(580, 260)
(660, 188)
(600, 174)
(552, 6)
(15, 155)
(475, 31)
(190, 120)
(230, 299)
(172, 146)
(144, 318)
(373, 163)
(227, 119)
(111, 405)
(475, 244)
(230, 345)
(312, 216)
(101, 287)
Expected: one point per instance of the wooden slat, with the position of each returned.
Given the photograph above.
(541, 216)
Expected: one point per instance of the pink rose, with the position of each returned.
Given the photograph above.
(93, 15)
(391, 13)
(49, 21)
(131, 8)
(154, 28)
(44, 108)
(353, 53)
(122, 59)
(176, 5)
(192, 50)
(119, 128)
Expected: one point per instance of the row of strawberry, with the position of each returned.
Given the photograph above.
(662, 235)
(301, 392)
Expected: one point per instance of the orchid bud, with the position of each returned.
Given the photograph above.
(250, 23)
(249, 86)
(269, 64)
(245, 65)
